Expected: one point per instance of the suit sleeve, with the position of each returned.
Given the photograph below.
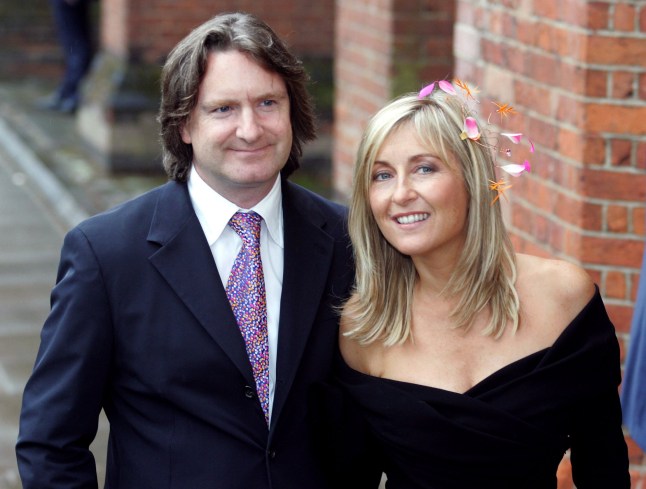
(64, 395)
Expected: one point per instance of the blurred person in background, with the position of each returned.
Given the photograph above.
(633, 388)
(74, 27)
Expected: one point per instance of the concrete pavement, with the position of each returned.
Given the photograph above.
(30, 239)
(29, 244)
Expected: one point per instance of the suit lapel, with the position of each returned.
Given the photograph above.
(308, 255)
(186, 263)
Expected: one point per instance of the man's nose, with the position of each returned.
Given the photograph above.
(249, 127)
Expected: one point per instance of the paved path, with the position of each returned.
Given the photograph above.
(31, 233)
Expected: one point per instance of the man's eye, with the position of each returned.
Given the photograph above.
(222, 110)
(268, 105)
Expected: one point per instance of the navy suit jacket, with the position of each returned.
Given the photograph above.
(140, 326)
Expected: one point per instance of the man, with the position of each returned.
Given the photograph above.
(145, 321)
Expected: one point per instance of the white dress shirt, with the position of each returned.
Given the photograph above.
(214, 212)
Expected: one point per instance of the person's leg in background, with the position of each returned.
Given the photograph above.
(72, 18)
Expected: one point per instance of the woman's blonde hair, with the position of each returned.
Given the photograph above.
(380, 305)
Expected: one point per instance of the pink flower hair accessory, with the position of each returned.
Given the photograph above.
(472, 132)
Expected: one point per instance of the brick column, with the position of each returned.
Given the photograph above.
(383, 49)
(117, 118)
(575, 72)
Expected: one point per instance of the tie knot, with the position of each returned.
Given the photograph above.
(247, 225)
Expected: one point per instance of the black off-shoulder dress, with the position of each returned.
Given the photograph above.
(511, 430)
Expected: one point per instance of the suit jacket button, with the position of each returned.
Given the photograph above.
(271, 454)
(249, 392)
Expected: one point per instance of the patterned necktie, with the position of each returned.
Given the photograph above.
(246, 293)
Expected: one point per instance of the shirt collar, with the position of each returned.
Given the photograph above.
(214, 211)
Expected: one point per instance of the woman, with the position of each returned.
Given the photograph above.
(473, 366)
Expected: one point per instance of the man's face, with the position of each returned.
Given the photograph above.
(240, 128)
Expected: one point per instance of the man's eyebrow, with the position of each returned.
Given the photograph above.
(224, 100)
(273, 94)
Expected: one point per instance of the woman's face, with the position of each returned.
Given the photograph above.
(419, 202)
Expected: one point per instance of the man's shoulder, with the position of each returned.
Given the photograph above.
(141, 203)
(131, 214)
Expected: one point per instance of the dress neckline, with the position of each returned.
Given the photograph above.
(494, 374)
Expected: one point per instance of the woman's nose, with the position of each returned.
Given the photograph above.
(404, 191)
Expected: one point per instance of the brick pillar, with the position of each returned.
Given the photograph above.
(383, 49)
(121, 96)
(121, 93)
(575, 71)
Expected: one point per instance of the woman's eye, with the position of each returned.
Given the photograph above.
(426, 169)
(381, 176)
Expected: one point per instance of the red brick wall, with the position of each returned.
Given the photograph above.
(363, 66)
(28, 41)
(572, 70)
(114, 27)
(144, 31)
(147, 30)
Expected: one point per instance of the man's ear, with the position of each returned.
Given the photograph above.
(184, 132)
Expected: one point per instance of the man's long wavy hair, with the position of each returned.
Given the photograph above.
(380, 307)
(185, 68)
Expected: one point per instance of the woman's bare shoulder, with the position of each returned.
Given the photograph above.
(351, 351)
(556, 286)
(363, 358)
